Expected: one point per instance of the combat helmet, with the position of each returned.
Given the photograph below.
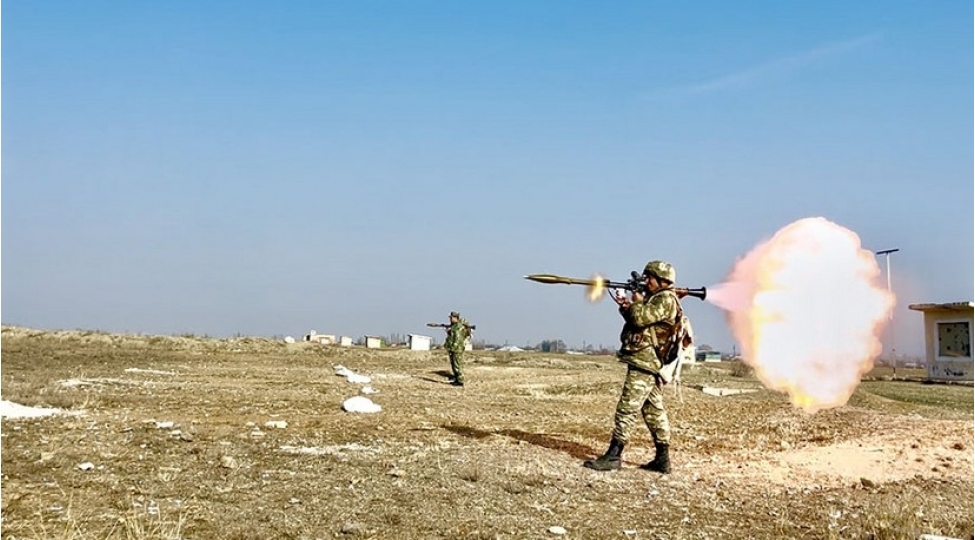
(661, 270)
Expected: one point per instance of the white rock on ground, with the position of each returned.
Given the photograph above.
(9, 409)
(360, 404)
(351, 376)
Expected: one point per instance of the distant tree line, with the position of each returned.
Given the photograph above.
(555, 346)
(546, 345)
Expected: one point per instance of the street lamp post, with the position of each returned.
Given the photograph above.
(890, 322)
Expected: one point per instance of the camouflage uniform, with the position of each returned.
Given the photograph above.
(647, 324)
(457, 334)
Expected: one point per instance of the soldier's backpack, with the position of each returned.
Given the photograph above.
(670, 349)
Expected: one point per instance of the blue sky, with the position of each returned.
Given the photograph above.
(366, 167)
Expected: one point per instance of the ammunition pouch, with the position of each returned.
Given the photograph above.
(634, 345)
(632, 342)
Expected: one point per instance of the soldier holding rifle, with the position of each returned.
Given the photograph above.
(651, 340)
(650, 343)
(649, 318)
(458, 331)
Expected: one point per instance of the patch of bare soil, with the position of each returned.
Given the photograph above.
(246, 438)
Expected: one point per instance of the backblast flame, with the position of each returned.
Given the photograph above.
(595, 291)
(808, 309)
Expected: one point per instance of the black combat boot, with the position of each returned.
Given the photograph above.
(609, 461)
(661, 462)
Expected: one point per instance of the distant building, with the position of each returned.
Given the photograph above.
(345, 341)
(708, 356)
(374, 342)
(553, 346)
(948, 340)
(420, 343)
(324, 339)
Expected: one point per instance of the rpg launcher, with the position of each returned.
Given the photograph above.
(636, 283)
(442, 325)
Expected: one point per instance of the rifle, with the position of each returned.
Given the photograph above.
(636, 283)
(442, 325)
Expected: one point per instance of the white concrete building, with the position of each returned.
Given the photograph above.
(324, 339)
(948, 340)
(374, 342)
(345, 341)
(420, 343)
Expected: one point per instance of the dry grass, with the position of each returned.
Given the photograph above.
(73, 524)
(741, 369)
(499, 458)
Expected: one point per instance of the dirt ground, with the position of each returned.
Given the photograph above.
(195, 438)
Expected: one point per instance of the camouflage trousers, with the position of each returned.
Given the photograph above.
(641, 392)
(456, 364)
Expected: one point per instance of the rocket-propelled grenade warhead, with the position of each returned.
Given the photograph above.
(550, 279)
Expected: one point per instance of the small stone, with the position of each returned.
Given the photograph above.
(555, 529)
(86, 466)
(352, 528)
(867, 483)
(228, 462)
(276, 424)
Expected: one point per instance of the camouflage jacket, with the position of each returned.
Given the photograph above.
(647, 325)
(457, 335)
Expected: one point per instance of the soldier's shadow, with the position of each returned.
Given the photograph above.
(447, 375)
(576, 450)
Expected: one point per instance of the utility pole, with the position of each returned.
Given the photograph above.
(890, 321)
